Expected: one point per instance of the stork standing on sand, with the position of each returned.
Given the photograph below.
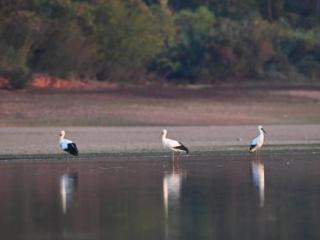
(67, 145)
(257, 142)
(174, 145)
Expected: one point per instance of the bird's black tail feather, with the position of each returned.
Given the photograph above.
(182, 147)
(72, 149)
(251, 149)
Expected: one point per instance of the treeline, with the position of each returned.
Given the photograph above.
(177, 40)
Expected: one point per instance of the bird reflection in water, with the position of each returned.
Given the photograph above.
(172, 183)
(257, 173)
(68, 186)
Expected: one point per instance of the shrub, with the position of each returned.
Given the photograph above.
(19, 77)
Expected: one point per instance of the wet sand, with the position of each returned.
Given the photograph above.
(151, 106)
(126, 140)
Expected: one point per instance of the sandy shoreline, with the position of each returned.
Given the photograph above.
(44, 140)
(151, 106)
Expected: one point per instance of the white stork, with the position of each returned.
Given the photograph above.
(174, 145)
(257, 142)
(67, 145)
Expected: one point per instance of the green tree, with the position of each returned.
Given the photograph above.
(68, 46)
(19, 33)
(183, 60)
(128, 35)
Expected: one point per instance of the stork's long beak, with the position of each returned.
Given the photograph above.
(264, 130)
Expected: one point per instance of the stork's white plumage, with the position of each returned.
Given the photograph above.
(173, 145)
(257, 142)
(67, 145)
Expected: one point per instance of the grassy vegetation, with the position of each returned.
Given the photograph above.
(177, 40)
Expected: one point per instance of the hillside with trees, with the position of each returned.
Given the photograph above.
(184, 41)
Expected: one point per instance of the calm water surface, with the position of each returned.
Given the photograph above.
(215, 196)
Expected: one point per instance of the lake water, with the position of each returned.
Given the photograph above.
(218, 195)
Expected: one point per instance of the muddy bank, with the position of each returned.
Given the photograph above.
(42, 140)
(160, 106)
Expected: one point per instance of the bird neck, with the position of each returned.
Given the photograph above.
(61, 137)
(261, 133)
(164, 136)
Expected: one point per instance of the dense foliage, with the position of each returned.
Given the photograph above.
(180, 40)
